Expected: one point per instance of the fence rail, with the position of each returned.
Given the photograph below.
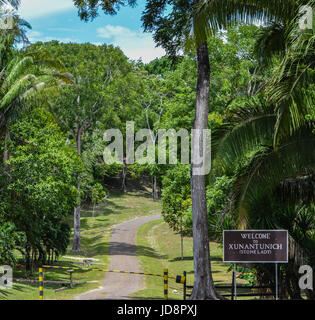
(165, 276)
(242, 294)
(231, 288)
(107, 270)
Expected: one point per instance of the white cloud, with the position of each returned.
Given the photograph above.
(34, 36)
(135, 44)
(35, 8)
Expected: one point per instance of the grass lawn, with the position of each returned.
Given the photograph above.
(167, 254)
(95, 235)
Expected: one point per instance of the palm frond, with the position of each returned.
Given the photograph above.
(210, 15)
(269, 167)
(15, 69)
(17, 89)
(244, 131)
(291, 87)
(42, 58)
(270, 42)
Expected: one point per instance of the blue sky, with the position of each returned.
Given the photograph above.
(58, 20)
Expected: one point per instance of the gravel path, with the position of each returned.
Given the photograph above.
(122, 251)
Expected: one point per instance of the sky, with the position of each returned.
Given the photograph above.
(59, 20)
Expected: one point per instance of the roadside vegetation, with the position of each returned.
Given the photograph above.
(251, 85)
(166, 245)
(95, 236)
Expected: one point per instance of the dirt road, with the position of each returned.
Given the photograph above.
(122, 251)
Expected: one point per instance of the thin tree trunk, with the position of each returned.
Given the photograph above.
(32, 262)
(76, 246)
(203, 283)
(124, 174)
(93, 209)
(6, 152)
(154, 188)
(27, 260)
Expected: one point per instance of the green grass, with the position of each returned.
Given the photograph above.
(166, 253)
(95, 236)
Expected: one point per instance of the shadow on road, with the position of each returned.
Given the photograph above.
(121, 248)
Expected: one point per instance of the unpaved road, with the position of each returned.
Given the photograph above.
(122, 251)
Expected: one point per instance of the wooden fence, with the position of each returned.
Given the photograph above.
(231, 288)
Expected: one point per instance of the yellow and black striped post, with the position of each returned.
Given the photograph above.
(165, 284)
(41, 284)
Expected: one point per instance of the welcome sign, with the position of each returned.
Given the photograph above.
(255, 246)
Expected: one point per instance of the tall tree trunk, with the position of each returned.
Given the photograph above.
(155, 194)
(32, 263)
(94, 203)
(76, 246)
(27, 260)
(6, 152)
(124, 175)
(203, 283)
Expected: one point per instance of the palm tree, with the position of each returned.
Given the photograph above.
(273, 188)
(209, 16)
(295, 51)
(24, 76)
(247, 137)
(276, 138)
(276, 130)
(292, 86)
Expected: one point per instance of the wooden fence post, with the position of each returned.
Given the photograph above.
(41, 284)
(165, 284)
